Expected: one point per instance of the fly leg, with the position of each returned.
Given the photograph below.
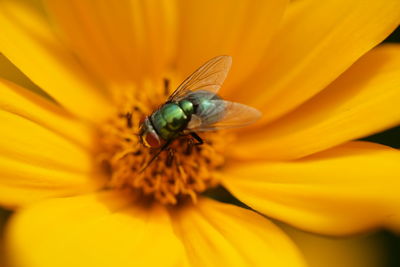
(164, 147)
(197, 138)
(166, 87)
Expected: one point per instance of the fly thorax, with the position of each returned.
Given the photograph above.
(187, 107)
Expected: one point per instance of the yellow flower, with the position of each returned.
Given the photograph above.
(306, 64)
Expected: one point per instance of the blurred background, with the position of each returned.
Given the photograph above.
(376, 249)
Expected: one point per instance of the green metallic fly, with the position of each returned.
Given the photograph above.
(195, 107)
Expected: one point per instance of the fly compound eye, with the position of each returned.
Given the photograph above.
(150, 139)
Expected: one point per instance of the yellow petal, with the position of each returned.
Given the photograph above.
(343, 190)
(24, 140)
(104, 229)
(44, 151)
(10, 72)
(318, 40)
(22, 183)
(35, 108)
(363, 101)
(216, 234)
(36, 162)
(119, 41)
(241, 29)
(355, 251)
(27, 40)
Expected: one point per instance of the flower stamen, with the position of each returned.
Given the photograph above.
(182, 171)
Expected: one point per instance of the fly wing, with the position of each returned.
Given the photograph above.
(208, 77)
(223, 115)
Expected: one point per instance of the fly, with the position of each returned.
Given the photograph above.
(195, 107)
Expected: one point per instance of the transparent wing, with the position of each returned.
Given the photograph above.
(223, 115)
(208, 77)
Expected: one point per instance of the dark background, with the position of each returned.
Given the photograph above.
(389, 240)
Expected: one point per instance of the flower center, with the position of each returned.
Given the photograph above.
(182, 171)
